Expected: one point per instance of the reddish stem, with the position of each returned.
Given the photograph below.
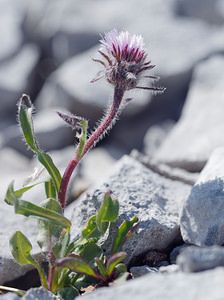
(91, 141)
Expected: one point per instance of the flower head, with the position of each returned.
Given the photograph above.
(125, 60)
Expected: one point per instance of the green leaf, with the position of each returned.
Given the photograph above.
(76, 264)
(29, 209)
(49, 232)
(38, 177)
(25, 118)
(114, 260)
(89, 251)
(50, 189)
(77, 123)
(120, 268)
(123, 234)
(74, 244)
(108, 211)
(67, 293)
(47, 162)
(101, 268)
(82, 138)
(26, 122)
(10, 197)
(91, 230)
(20, 248)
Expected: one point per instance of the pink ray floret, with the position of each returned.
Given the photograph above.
(123, 45)
(125, 60)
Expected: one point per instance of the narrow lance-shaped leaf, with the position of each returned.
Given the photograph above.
(114, 260)
(124, 232)
(39, 176)
(25, 118)
(79, 124)
(108, 211)
(10, 196)
(29, 209)
(26, 122)
(47, 162)
(76, 264)
(50, 190)
(82, 138)
(101, 268)
(20, 248)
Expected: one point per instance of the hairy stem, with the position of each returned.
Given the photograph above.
(105, 125)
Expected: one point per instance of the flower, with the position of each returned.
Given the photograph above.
(125, 60)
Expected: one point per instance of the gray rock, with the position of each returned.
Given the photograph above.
(32, 294)
(10, 296)
(172, 286)
(202, 220)
(17, 167)
(39, 293)
(142, 270)
(211, 11)
(9, 268)
(169, 268)
(214, 167)
(142, 193)
(155, 136)
(92, 169)
(10, 222)
(190, 144)
(16, 77)
(196, 259)
(175, 252)
(165, 170)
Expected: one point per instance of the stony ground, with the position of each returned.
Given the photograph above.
(164, 159)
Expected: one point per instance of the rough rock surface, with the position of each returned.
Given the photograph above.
(46, 50)
(32, 294)
(167, 286)
(195, 259)
(202, 219)
(190, 144)
(154, 199)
